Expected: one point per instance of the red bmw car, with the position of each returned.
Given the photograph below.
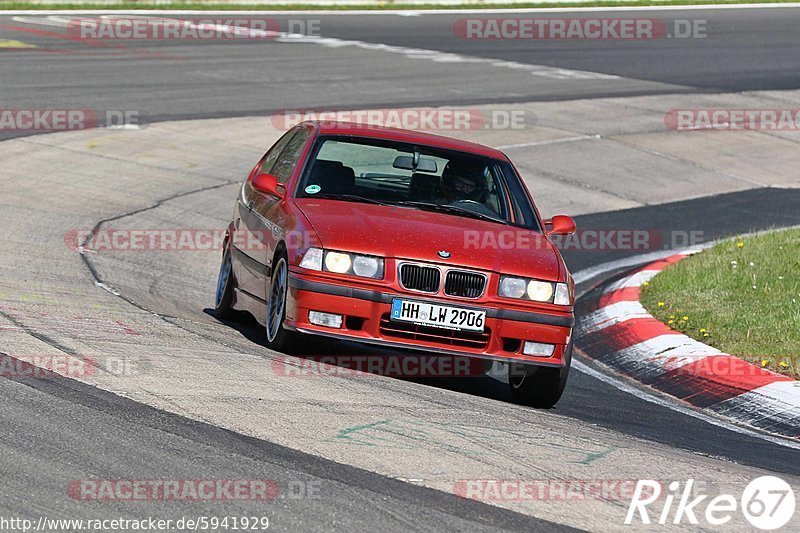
(405, 240)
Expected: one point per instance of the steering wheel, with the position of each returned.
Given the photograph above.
(467, 202)
(474, 206)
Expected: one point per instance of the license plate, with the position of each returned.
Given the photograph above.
(438, 316)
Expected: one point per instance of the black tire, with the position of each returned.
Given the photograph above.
(539, 386)
(278, 338)
(223, 299)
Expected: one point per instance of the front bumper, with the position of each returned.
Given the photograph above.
(366, 319)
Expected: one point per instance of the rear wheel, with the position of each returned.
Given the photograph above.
(278, 337)
(223, 300)
(539, 386)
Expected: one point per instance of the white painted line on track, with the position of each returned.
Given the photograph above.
(598, 270)
(41, 21)
(550, 141)
(435, 56)
(400, 12)
(592, 272)
(438, 56)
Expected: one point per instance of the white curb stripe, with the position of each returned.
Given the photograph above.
(659, 355)
(636, 280)
(612, 314)
(774, 407)
(776, 404)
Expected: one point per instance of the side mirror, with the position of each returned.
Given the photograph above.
(559, 225)
(268, 184)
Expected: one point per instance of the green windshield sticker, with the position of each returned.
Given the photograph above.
(313, 189)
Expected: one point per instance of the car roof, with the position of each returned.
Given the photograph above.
(332, 127)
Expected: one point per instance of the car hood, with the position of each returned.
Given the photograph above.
(407, 233)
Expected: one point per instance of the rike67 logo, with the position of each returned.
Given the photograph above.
(767, 503)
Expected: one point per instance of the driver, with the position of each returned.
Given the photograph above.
(463, 181)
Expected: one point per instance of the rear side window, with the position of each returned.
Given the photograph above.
(287, 160)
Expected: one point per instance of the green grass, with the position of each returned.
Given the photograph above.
(742, 296)
(272, 6)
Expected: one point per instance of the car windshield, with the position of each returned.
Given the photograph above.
(418, 177)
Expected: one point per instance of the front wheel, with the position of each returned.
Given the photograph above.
(539, 386)
(223, 300)
(278, 337)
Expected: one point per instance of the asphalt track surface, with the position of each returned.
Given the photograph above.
(59, 429)
(743, 50)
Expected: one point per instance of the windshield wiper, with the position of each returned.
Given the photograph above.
(347, 198)
(452, 210)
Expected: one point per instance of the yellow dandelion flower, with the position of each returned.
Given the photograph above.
(783, 364)
(702, 330)
(685, 317)
(764, 362)
(661, 304)
(740, 244)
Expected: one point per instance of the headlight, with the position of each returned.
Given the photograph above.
(512, 287)
(534, 289)
(312, 260)
(338, 262)
(540, 291)
(364, 266)
(562, 294)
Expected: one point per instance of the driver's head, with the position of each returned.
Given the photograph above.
(464, 181)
